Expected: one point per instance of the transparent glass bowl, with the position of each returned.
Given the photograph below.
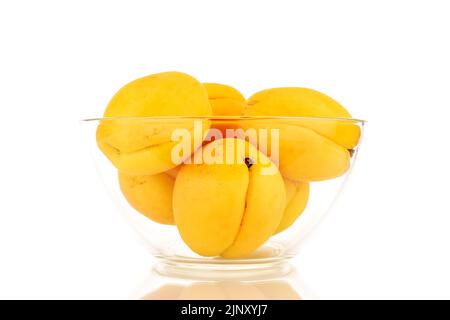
(230, 285)
(219, 202)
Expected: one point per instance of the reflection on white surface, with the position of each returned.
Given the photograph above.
(225, 291)
(265, 287)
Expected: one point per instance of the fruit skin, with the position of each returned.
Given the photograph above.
(302, 154)
(306, 155)
(264, 210)
(304, 102)
(150, 195)
(225, 100)
(297, 194)
(209, 203)
(162, 94)
(143, 146)
(228, 209)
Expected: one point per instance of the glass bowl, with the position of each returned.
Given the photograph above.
(223, 193)
(230, 285)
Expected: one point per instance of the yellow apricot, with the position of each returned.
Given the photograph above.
(162, 94)
(222, 91)
(225, 100)
(301, 153)
(142, 146)
(306, 155)
(209, 202)
(265, 197)
(150, 195)
(297, 194)
(173, 172)
(229, 206)
(305, 102)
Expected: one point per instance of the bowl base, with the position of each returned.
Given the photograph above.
(268, 261)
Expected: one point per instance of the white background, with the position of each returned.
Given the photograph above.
(387, 61)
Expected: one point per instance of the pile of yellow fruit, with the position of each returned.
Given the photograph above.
(222, 209)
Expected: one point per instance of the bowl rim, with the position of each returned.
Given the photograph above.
(223, 118)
